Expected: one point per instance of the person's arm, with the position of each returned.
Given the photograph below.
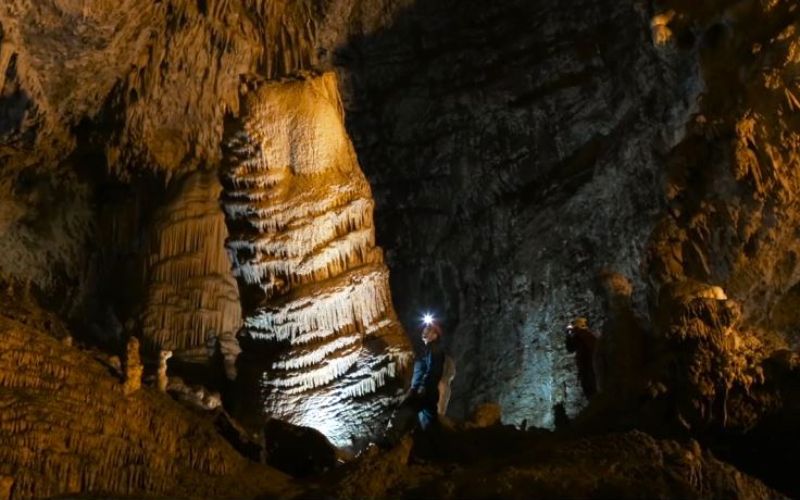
(417, 379)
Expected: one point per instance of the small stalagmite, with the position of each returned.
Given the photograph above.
(303, 242)
(133, 367)
(229, 349)
(163, 379)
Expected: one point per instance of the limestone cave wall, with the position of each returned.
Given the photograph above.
(516, 152)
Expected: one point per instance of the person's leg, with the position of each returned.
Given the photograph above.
(428, 417)
(426, 444)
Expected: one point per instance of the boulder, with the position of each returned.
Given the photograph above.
(296, 450)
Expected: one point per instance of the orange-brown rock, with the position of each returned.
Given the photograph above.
(66, 428)
(133, 367)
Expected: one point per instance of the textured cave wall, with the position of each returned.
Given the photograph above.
(733, 181)
(303, 249)
(170, 69)
(515, 150)
(67, 429)
(495, 138)
(732, 223)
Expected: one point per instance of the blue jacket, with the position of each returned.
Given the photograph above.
(428, 370)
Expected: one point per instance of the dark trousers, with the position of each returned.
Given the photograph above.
(428, 412)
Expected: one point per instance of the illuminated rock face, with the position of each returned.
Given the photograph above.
(192, 299)
(303, 242)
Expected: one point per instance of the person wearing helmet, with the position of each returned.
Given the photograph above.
(583, 342)
(428, 370)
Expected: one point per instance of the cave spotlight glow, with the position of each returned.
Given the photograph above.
(427, 318)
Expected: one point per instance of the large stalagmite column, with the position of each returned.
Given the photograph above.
(302, 237)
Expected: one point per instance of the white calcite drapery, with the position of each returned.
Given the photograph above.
(302, 239)
(192, 298)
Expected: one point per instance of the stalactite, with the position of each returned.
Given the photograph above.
(304, 236)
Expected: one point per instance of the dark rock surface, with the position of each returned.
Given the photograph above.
(541, 465)
(515, 151)
(299, 451)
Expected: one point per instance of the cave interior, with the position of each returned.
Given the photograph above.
(225, 225)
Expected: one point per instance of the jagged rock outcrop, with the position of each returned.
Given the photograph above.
(733, 181)
(303, 244)
(722, 262)
(66, 428)
(709, 367)
(192, 299)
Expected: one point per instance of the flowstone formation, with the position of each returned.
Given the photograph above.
(68, 428)
(303, 244)
(192, 303)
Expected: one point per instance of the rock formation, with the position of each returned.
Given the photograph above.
(303, 244)
(525, 162)
(721, 262)
(229, 348)
(708, 359)
(162, 378)
(634, 465)
(66, 428)
(192, 300)
(133, 367)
